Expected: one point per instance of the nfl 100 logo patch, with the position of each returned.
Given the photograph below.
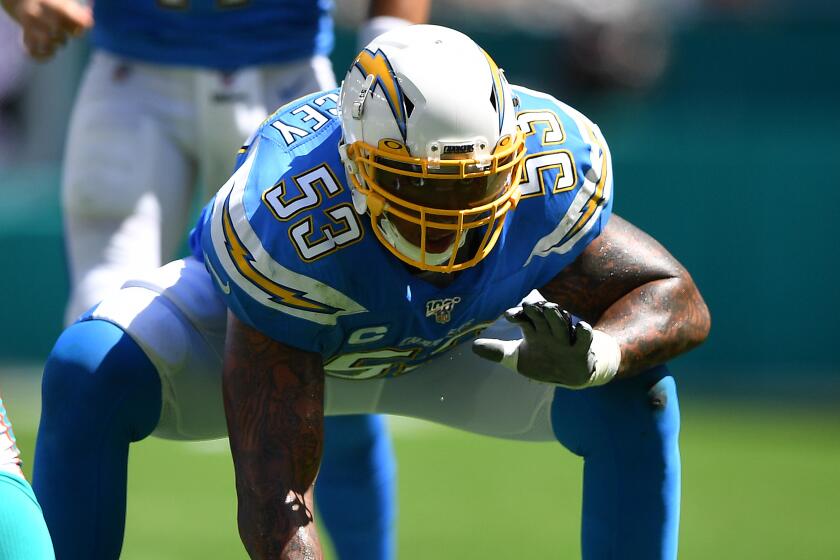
(441, 309)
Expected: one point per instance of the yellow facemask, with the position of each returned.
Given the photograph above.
(437, 202)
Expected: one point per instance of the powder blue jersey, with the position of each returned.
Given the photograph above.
(292, 258)
(220, 34)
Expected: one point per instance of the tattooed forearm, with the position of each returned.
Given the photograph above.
(273, 396)
(628, 285)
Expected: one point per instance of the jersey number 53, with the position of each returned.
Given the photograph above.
(341, 228)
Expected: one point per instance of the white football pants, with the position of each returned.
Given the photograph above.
(140, 137)
(176, 316)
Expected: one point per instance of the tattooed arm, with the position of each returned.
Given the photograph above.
(629, 286)
(273, 396)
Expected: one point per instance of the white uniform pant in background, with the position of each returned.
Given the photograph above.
(140, 138)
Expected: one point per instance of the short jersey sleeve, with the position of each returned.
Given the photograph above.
(567, 184)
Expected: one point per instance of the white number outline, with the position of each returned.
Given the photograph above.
(553, 134)
(332, 239)
(353, 361)
(345, 228)
(534, 169)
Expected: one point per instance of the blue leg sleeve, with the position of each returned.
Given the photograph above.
(627, 433)
(99, 393)
(355, 490)
(23, 533)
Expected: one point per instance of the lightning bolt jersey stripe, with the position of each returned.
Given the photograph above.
(594, 192)
(248, 265)
(291, 258)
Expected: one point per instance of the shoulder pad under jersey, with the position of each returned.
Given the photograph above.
(567, 182)
(269, 233)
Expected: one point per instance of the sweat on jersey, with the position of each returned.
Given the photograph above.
(291, 258)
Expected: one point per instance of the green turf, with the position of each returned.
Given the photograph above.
(759, 482)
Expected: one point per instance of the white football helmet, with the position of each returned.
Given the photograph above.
(430, 146)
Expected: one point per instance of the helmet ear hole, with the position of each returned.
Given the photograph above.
(409, 107)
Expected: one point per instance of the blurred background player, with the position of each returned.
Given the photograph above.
(171, 91)
(13, 70)
(23, 533)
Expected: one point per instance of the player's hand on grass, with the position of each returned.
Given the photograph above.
(47, 24)
(553, 349)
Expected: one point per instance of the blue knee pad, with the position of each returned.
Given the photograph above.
(627, 433)
(355, 491)
(23, 533)
(99, 393)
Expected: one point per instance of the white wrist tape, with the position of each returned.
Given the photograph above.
(376, 26)
(604, 358)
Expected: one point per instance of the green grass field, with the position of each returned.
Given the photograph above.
(759, 481)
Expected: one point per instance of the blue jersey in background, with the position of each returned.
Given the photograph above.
(220, 34)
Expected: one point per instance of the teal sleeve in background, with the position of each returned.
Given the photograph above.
(23, 532)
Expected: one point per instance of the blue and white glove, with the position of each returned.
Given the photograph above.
(552, 349)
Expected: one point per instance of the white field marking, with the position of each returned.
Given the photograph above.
(412, 428)
(209, 447)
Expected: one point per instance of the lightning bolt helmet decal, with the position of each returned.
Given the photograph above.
(377, 64)
(449, 117)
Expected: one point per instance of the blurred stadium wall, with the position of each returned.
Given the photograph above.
(730, 158)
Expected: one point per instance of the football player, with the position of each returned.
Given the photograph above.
(23, 532)
(172, 90)
(367, 236)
